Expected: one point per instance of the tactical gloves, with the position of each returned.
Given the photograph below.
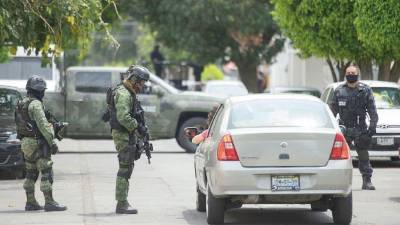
(142, 130)
(371, 131)
(54, 149)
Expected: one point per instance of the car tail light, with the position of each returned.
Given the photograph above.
(226, 149)
(340, 149)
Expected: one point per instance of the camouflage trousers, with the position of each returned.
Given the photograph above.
(35, 163)
(126, 165)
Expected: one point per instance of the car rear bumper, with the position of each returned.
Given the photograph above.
(378, 153)
(230, 178)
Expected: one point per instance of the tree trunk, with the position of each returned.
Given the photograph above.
(384, 70)
(333, 72)
(365, 68)
(395, 72)
(248, 74)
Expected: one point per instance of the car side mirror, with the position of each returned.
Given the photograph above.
(190, 132)
(157, 90)
(343, 129)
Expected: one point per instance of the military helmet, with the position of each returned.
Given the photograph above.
(36, 83)
(139, 72)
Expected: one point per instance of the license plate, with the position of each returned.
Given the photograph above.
(385, 141)
(285, 183)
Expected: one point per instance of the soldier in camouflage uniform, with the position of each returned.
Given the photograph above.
(124, 130)
(353, 100)
(38, 144)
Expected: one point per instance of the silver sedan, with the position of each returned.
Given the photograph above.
(263, 149)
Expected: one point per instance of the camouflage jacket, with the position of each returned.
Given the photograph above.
(124, 101)
(36, 114)
(353, 104)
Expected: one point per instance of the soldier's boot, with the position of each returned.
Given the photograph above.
(31, 203)
(123, 207)
(367, 184)
(51, 205)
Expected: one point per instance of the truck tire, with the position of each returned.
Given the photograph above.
(342, 210)
(395, 158)
(184, 141)
(200, 200)
(215, 208)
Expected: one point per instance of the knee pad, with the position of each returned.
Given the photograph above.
(32, 174)
(125, 171)
(47, 175)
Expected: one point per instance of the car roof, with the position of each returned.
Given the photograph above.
(11, 88)
(250, 97)
(371, 83)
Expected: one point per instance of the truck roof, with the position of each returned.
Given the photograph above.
(97, 68)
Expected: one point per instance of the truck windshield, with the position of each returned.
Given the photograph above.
(21, 68)
(8, 102)
(386, 98)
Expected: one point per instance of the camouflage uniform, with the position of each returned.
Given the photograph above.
(34, 159)
(124, 103)
(353, 104)
(38, 144)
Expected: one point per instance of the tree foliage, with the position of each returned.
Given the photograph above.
(205, 29)
(37, 25)
(341, 31)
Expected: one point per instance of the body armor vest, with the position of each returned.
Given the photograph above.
(352, 106)
(25, 126)
(114, 124)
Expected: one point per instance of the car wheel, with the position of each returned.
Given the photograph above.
(200, 201)
(395, 158)
(342, 210)
(20, 173)
(184, 141)
(215, 208)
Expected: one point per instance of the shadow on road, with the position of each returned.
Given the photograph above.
(267, 216)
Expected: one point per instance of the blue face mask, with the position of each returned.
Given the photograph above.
(352, 78)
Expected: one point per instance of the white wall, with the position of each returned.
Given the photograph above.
(290, 70)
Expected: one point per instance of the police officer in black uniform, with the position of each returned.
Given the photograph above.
(353, 100)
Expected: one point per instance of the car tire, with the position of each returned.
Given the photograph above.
(215, 208)
(184, 141)
(200, 201)
(342, 210)
(395, 158)
(20, 173)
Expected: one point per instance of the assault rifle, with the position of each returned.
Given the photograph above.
(57, 125)
(147, 147)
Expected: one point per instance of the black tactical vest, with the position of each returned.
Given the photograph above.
(114, 123)
(352, 105)
(25, 126)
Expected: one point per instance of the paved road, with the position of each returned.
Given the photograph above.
(164, 193)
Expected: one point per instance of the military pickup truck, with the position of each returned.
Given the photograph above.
(82, 101)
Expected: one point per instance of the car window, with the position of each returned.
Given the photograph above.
(386, 98)
(279, 113)
(325, 94)
(213, 126)
(8, 102)
(94, 82)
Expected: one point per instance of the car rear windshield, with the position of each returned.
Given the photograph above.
(279, 113)
(386, 98)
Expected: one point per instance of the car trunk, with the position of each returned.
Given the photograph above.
(283, 147)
